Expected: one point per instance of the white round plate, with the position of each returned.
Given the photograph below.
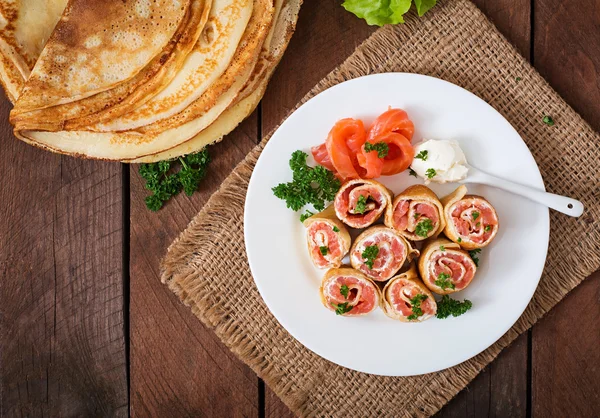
(509, 269)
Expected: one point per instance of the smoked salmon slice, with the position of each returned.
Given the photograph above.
(407, 299)
(399, 156)
(348, 292)
(343, 143)
(359, 203)
(471, 221)
(379, 252)
(445, 268)
(416, 213)
(327, 238)
(393, 120)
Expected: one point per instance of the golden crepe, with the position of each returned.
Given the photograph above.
(444, 267)
(399, 291)
(250, 96)
(25, 26)
(167, 133)
(416, 213)
(471, 221)
(106, 57)
(327, 239)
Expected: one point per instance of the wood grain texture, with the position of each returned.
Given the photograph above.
(61, 297)
(178, 366)
(326, 35)
(565, 357)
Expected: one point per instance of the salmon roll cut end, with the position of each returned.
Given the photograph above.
(348, 292)
(471, 221)
(407, 299)
(327, 238)
(379, 252)
(359, 203)
(446, 268)
(416, 213)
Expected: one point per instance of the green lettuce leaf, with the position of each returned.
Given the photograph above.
(384, 12)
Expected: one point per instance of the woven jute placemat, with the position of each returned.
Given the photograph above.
(208, 269)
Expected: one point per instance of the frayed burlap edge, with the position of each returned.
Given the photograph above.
(222, 211)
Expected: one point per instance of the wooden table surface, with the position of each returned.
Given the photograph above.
(87, 329)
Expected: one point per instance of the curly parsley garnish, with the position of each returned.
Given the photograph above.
(344, 290)
(475, 215)
(473, 255)
(459, 239)
(424, 228)
(443, 281)
(422, 155)
(165, 183)
(412, 172)
(548, 120)
(430, 173)
(336, 229)
(310, 185)
(342, 308)
(415, 303)
(361, 205)
(448, 306)
(416, 215)
(369, 254)
(487, 228)
(442, 248)
(381, 148)
(306, 215)
(324, 250)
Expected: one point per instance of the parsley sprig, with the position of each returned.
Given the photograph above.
(164, 182)
(415, 303)
(344, 290)
(342, 308)
(424, 227)
(324, 250)
(310, 185)
(361, 204)
(412, 172)
(430, 173)
(381, 147)
(422, 155)
(473, 254)
(443, 281)
(369, 254)
(448, 306)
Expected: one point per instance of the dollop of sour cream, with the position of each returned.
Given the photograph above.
(439, 161)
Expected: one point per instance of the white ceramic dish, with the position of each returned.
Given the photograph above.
(510, 267)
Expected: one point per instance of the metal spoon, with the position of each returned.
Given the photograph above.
(562, 204)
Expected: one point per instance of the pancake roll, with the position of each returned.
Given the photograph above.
(445, 268)
(359, 203)
(348, 292)
(471, 221)
(327, 238)
(407, 299)
(379, 252)
(416, 213)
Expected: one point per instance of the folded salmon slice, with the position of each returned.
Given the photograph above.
(348, 292)
(379, 252)
(472, 221)
(445, 268)
(327, 238)
(343, 143)
(393, 120)
(359, 203)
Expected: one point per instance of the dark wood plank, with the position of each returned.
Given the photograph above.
(565, 357)
(61, 291)
(326, 34)
(179, 367)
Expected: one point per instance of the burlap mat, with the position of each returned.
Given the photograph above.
(207, 265)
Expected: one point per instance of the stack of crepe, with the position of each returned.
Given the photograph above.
(137, 80)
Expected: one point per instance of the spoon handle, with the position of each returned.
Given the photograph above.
(559, 203)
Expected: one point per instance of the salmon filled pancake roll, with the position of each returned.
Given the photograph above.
(379, 252)
(416, 213)
(359, 203)
(407, 299)
(446, 268)
(471, 221)
(348, 292)
(327, 238)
